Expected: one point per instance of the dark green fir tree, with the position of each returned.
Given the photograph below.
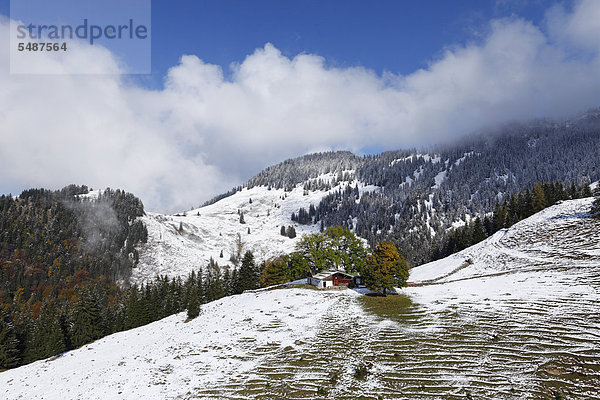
(596, 205)
(249, 277)
(9, 345)
(193, 309)
(86, 321)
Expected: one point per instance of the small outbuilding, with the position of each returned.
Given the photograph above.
(328, 279)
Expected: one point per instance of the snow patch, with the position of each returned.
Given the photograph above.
(439, 178)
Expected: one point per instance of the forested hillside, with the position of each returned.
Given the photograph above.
(47, 236)
(62, 255)
(422, 193)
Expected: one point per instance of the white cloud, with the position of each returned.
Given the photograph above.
(204, 133)
(579, 28)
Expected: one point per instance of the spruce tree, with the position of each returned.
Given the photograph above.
(193, 309)
(200, 287)
(208, 283)
(488, 225)
(249, 277)
(526, 204)
(559, 189)
(234, 282)
(571, 190)
(499, 216)
(132, 313)
(47, 336)
(9, 345)
(227, 286)
(156, 301)
(178, 295)
(291, 232)
(54, 338)
(218, 287)
(213, 282)
(586, 191)
(86, 321)
(149, 308)
(596, 205)
(478, 231)
(512, 213)
(189, 283)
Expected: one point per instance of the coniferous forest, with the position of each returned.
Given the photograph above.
(66, 259)
(63, 255)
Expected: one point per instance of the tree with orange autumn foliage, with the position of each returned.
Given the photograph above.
(385, 268)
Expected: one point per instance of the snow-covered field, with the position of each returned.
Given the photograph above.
(558, 235)
(232, 339)
(514, 317)
(207, 231)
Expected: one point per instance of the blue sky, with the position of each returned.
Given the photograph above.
(240, 85)
(399, 36)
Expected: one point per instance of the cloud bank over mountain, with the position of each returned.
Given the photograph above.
(209, 129)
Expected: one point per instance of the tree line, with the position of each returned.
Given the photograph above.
(517, 207)
(96, 308)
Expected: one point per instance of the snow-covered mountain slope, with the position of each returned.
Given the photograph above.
(421, 194)
(207, 231)
(519, 321)
(552, 239)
